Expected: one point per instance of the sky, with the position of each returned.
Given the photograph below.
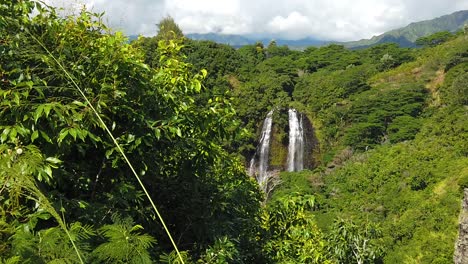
(340, 20)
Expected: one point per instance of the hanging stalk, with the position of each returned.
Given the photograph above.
(45, 203)
(76, 86)
(18, 177)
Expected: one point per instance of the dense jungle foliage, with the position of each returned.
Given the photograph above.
(391, 125)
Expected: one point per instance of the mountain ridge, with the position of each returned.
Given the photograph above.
(404, 36)
(239, 40)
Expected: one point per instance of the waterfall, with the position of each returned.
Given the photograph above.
(263, 152)
(296, 142)
(252, 166)
(258, 166)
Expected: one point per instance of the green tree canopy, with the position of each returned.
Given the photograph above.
(434, 39)
(168, 29)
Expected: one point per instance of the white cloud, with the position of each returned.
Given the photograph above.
(324, 19)
(207, 7)
(295, 25)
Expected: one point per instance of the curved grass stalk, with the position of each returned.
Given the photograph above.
(41, 198)
(22, 179)
(72, 80)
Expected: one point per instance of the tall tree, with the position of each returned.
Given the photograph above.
(168, 29)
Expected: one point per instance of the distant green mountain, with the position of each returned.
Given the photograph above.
(233, 40)
(406, 36)
(238, 40)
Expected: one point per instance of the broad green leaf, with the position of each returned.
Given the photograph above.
(38, 112)
(72, 132)
(47, 109)
(63, 133)
(48, 170)
(53, 160)
(13, 134)
(45, 136)
(16, 99)
(204, 73)
(34, 135)
(5, 134)
(157, 133)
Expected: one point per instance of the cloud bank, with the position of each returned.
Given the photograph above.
(340, 20)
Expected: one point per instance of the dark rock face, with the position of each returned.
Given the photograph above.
(461, 245)
(311, 144)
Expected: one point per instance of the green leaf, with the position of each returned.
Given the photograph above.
(16, 99)
(53, 160)
(83, 204)
(47, 109)
(45, 136)
(63, 133)
(13, 133)
(48, 171)
(109, 152)
(78, 103)
(157, 133)
(204, 73)
(72, 132)
(136, 227)
(38, 112)
(4, 135)
(81, 134)
(34, 135)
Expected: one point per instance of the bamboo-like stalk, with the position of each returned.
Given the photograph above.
(76, 86)
(42, 199)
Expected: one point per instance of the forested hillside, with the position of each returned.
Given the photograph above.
(407, 36)
(113, 152)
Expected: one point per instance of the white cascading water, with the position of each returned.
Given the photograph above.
(252, 166)
(264, 151)
(296, 142)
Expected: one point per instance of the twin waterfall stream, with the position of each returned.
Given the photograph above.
(264, 152)
(296, 142)
(295, 161)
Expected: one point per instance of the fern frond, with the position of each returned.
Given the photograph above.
(24, 243)
(17, 170)
(172, 258)
(81, 232)
(12, 260)
(6, 231)
(124, 243)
